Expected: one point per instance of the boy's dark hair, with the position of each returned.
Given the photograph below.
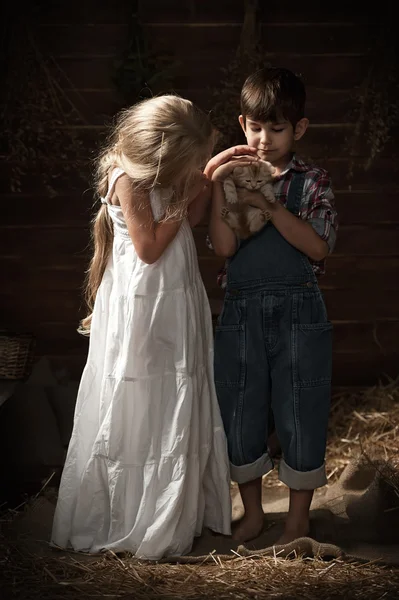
(273, 94)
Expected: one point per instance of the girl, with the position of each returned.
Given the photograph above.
(147, 463)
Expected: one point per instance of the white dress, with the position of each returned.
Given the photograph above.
(147, 464)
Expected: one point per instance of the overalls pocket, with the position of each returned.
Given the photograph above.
(312, 354)
(229, 357)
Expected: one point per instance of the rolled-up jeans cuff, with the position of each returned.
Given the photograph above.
(258, 468)
(302, 480)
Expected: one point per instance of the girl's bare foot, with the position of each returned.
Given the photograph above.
(249, 527)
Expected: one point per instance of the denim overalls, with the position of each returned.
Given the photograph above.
(273, 348)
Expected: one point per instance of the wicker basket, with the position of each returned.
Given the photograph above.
(16, 355)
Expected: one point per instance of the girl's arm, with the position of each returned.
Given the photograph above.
(223, 238)
(150, 239)
(235, 152)
(198, 207)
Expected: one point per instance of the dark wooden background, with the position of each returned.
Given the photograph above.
(44, 239)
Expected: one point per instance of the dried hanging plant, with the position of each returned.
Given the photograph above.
(249, 57)
(378, 97)
(139, 73)
(39, 133)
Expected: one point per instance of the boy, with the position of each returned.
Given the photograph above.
(273, 344)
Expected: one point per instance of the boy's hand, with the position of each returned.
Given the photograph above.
(237, 152)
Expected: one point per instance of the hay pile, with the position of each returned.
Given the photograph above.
(366, 422)
(258, 578)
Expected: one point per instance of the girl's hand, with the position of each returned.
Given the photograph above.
(200, 185)
(226, 169)
(237, 152)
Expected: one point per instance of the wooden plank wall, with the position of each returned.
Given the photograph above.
(44, 240)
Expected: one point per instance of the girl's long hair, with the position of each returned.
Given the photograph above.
(160, 142)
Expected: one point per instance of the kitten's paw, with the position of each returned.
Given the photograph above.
(270, 197)
(265, 216)
(268, 193)
(224, 213)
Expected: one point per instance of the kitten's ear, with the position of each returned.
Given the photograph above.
(272, 170)
(238, 170)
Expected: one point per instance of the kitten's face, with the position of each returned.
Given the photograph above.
(252, 177)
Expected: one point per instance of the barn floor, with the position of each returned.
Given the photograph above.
(352, 551)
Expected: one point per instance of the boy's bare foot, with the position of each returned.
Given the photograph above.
(292, 533)
(249, 527)
(297, 523)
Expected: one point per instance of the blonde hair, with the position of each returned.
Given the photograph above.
(160, 142)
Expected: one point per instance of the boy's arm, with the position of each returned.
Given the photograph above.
(299, 233)
(314, 232)
(320, 211)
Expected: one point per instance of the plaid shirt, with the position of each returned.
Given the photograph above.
(317, 206)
